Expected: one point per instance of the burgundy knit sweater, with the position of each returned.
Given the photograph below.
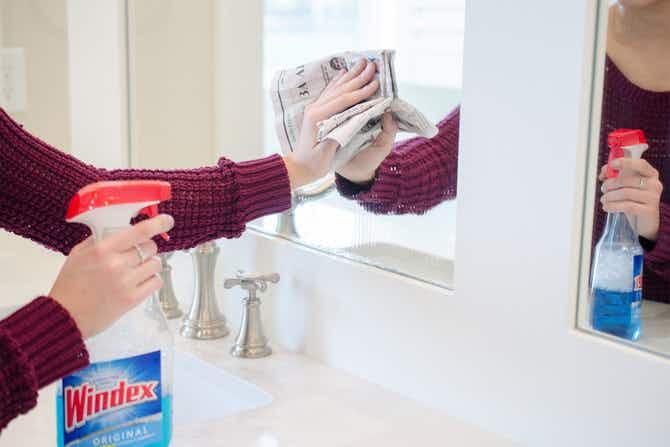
(41, 342)
(420, 173)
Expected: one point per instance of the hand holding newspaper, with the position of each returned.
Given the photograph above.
(357, 127)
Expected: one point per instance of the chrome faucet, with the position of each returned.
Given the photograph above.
(251, 342)
(286, 220)
(204, 320)
(166, 296)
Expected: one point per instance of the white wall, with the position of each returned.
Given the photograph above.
(195, 77)
(40, 27)
(97, 58)
(171, 83)
(238, 68)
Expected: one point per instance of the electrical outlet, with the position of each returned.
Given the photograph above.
(13, 79)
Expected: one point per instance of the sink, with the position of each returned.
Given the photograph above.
(225, 394)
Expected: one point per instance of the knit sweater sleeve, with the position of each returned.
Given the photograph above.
(38, 181)
(418, 174)
(39, 343)
(657, 254)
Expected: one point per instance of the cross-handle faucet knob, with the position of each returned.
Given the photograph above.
(252, 282)
(251, 342)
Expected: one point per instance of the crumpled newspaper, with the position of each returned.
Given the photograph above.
(355, 128)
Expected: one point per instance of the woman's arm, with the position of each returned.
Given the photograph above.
(637, 190)
(417, 175)
(39, 343)
(37, 182)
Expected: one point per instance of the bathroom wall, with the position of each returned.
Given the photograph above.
(198, 64)
(40, 27)
(171, 76)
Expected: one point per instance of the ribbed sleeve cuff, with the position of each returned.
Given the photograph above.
(264, 187)
(659, 251)
(48, 337)
(18, 385)
(349, 189)
(383, 189)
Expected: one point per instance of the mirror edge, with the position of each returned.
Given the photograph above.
(593, 74)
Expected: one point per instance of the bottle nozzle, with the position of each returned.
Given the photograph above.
(628, 143)
(152, 211)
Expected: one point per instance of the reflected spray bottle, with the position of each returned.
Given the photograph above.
(616, 274)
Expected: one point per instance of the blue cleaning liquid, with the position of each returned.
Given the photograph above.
(616, 313)
(167, 424)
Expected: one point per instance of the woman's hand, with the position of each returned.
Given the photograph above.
(637, 191)
(311, 161)
(102, 280)
(362, 168)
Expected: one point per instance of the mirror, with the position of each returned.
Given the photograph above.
(187, 63)
(412, 233)
(625, 272)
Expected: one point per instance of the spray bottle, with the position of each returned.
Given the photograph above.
(616, 276)
(124, 397)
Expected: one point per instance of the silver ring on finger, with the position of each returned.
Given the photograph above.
(140, 253)
(643, 181)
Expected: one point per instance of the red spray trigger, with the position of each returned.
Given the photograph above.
(615, 152)
(117, 199)
(618, 141)
(152, 211)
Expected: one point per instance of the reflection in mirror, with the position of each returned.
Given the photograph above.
(629, 289)
(393, 205)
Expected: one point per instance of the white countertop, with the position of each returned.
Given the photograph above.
(313, 405)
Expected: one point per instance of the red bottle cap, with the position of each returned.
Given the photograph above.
(617, 141)
(102, 194)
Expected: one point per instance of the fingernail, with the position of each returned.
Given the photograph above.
(616, 164)
(169, 221)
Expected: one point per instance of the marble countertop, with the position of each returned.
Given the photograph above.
(313, 405)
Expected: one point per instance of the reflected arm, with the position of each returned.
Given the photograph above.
(419, 174)
(657, 254)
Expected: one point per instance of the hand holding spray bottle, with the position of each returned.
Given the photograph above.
(616, 275)
(124, 397)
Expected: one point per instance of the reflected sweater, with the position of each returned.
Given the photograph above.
(421, 173)
(41, 342)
